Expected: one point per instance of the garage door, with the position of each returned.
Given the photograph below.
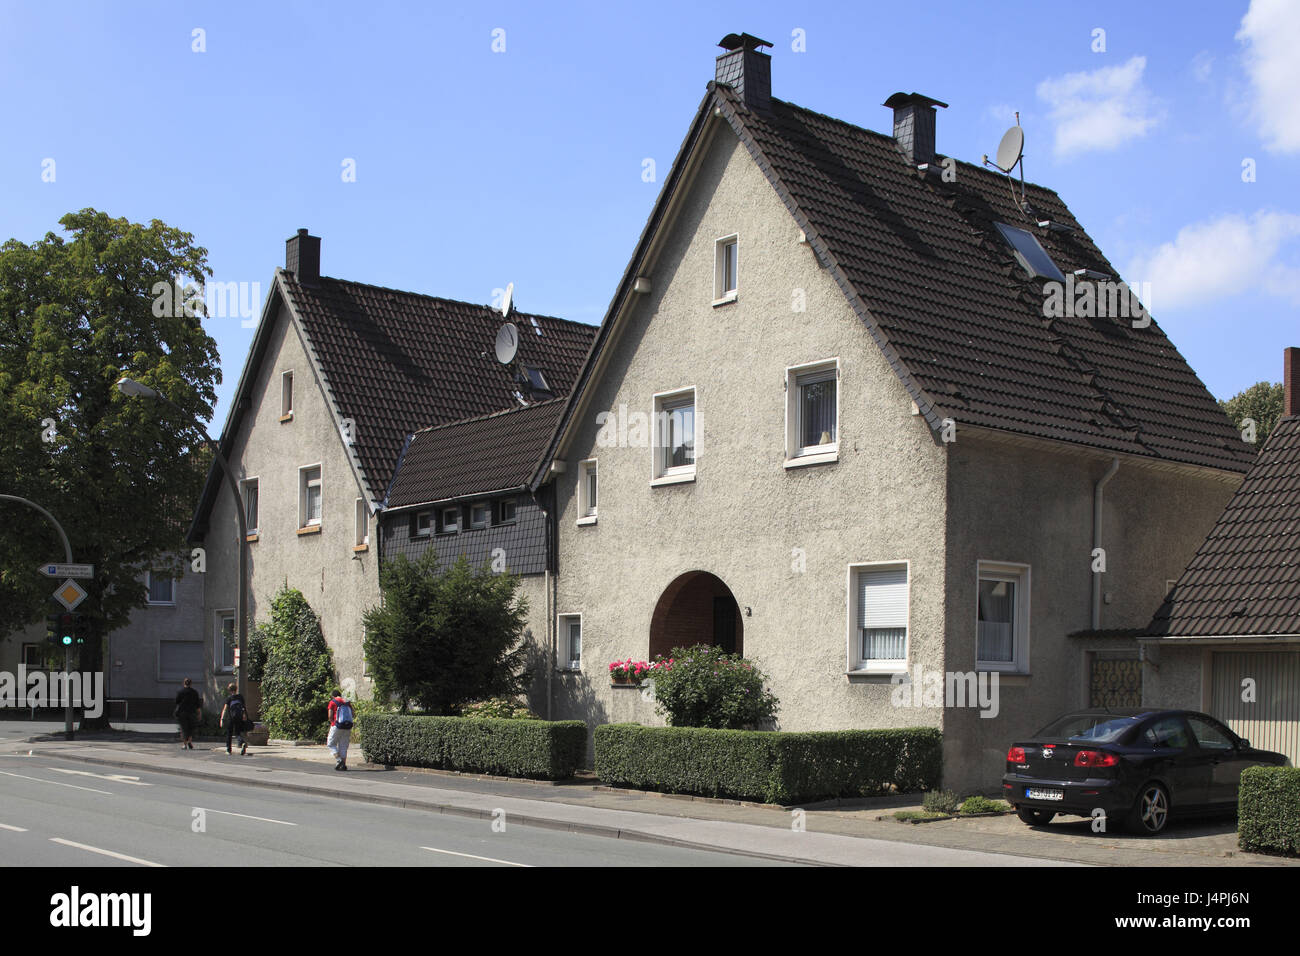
(1272, 720)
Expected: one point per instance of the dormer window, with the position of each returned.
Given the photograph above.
(1030, 253)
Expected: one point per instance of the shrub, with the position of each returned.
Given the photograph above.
(1268, 810)
(940, 801)
(703, 686)
(298, 675)
(498, 708)
(444, 639)
(544, 749)
(767, 766)
(978, 804)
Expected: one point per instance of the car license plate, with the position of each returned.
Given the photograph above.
(1036, 794)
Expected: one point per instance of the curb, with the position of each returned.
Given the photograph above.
(545, 823)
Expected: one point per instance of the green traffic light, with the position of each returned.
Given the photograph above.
(67, 639)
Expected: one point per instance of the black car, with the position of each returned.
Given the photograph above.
(1137, 766)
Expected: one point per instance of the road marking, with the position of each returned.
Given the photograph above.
(5, 826)
(95, 849)
(434, 849)
(115, 777)
(246, 816)
(55, 783)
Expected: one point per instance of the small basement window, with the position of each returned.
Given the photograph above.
(1030, 253)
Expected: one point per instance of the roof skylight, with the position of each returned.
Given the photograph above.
(1030, 252)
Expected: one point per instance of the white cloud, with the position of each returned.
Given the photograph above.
(1202, 66)
(1223, 257)
(1271, 32)
(1101, 109)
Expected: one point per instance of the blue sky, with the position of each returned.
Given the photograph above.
(475, 167)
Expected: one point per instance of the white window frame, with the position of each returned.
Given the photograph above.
(721, 294)
(361, 524)
(513, 518)
(442, 519)
(856, 665)
(218, 663)
(586, 508)
(562, 631)
(1019, 574)
(428, 524)
(487, 515)
(303, 484)
(796, 455)
(659, 474)
(148, 589)
(244, 485)
(286, 395)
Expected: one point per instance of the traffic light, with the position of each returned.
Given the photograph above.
(82, 628)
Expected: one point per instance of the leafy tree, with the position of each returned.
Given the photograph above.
(1262, 402)
(121, 475)
(442, 640)
(704, 686)
(297, 672)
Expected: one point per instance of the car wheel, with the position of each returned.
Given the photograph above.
(1150, 814)
(1034, 818)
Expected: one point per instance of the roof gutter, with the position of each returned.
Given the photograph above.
(516, 490)
(1225, 639)
(1097, 496)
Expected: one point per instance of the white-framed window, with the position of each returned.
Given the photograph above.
(506, 510)
(675, 436)
(812, 413)
(286, 394)
(570, 642)
(587, 492)
(879, 603)
(309, 496)
(449, 521)
(478, 515)
(226, 640)
(162, 590)
(423, 524)
(249, 488)
(1002, 617)
(178, 660)
(361, 523)
(726, 264)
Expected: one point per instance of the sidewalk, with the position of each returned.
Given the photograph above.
(863, 833)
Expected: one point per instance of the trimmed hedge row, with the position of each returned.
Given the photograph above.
(543, 749)
(768, 766)
(1268, 810)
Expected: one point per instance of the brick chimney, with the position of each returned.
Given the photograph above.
(1291, 382)
(914, 125)
(302, 257)
(746, 69)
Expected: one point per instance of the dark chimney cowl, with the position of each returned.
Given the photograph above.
(302, 257)
(746, 69)
(914, 125)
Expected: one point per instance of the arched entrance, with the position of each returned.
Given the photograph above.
(696, 608)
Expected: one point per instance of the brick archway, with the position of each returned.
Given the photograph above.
(696, 608)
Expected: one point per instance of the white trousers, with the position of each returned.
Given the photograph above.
(337, 742)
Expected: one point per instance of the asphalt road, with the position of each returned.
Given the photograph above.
(65, 813)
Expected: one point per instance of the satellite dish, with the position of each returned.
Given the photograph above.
(507, 342)
(1009, 150)
(507, 300)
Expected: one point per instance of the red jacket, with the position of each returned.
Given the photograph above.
(334, 709)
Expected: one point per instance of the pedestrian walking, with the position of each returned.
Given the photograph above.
(341, 716)
(189, 708)
(234, 717)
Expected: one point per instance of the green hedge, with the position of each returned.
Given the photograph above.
(768, 766)
(549, 750)
(1268, 810)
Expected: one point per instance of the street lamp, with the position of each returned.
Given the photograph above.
(134, 389)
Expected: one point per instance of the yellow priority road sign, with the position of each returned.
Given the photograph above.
(70, 594)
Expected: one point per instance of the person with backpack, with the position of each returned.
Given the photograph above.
(237, 712)
(188, 712)
(341, 717)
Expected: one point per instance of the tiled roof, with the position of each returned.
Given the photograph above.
(958, 317)
(397, 361)
(1245, 579)
(495, 452)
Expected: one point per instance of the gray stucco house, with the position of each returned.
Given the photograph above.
(837, 426)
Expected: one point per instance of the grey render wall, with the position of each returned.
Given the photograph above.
(1032, 505)
(745, 514)
(338, 582)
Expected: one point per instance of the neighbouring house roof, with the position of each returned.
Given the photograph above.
(395, 361)
(1245, 579)
(941, 293)
(496, 452)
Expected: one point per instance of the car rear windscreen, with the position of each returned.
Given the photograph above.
(1100, 728)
